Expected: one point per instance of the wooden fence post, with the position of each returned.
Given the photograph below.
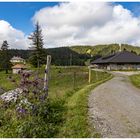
(89, 75)
(47, 68)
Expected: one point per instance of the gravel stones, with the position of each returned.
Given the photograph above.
(114, 108)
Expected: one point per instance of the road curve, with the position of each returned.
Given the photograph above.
(114, 108)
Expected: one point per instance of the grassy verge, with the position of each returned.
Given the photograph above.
(5, 83)
(68, 92)
(76, 123)
(135, 79)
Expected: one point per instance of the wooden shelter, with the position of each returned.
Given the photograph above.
(18, 67)
(124, 60)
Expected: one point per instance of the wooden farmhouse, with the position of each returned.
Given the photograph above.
(123, 60)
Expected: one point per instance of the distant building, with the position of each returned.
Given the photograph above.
(17, 59)
(124, 60)
(18, 67)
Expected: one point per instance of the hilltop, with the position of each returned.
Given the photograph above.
(105, 49)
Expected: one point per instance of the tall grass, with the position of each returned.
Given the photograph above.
(68, 94)
(5, 83)
(76, 116)
(135, 79)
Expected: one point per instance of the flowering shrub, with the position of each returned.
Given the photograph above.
(43, 123)
(33, 93)
(32, 112)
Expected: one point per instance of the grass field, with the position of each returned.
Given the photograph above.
(135, 79)
(4, 82)
(68, 93)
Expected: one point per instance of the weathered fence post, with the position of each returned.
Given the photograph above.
(89, 74)
(47, 68)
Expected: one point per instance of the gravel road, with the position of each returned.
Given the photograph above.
(114, 108)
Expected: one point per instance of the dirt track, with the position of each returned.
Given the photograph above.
(114, 108)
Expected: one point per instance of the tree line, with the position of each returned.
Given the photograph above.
(62, 56)
(37, 54)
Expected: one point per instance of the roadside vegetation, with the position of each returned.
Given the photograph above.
(67, 105)
(56, 106)
(135, 79)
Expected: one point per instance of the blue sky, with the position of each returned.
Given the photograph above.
(132, 6)
(19, 14)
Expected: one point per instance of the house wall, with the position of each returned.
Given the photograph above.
(17, 61)
(102, 66)
(137, 67)
(16, 71)
(123, 67)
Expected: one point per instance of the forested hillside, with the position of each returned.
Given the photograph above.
(104, 49)
(75, 55)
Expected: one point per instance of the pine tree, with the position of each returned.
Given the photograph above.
(5, 64)
(38, 56)
(5, 45)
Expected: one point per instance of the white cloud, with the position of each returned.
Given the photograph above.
(88, 23)
(15, 38)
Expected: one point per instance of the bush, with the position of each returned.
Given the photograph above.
(42, 124)
(33, 114)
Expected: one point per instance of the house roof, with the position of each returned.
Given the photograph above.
(16, 58)
(119, 57)
(19, 66)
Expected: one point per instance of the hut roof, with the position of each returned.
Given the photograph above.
(119, 57)
(19, 66)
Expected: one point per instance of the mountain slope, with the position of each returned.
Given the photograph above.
(104, 49)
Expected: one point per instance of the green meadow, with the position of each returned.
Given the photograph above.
(68, 105)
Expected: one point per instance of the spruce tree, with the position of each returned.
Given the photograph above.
(5, 64)
(38, 56)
